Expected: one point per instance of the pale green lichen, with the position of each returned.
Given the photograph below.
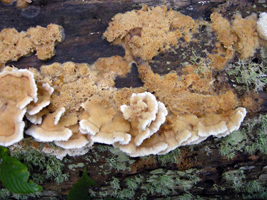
(74, 166)
(248, 75)
(234, 180)
(41, 166)
(4, 194)
(159, 182)
(171, 157)
(250, 138)
(117, 159)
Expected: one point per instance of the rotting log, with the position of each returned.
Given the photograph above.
(191, 172)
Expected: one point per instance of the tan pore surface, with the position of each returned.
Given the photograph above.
(174, 92)
(240, 35)
(74, 83)
(14, 44)
(149, 31)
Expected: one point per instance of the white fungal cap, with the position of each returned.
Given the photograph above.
(11, 124)
(18, 86)
(76, 141)
(50, 131)
(17, 90)
(103, 123)
(44, 96)
(143, 109)
(262, 25)
(111, 138)
(146, 114)
(154, 126)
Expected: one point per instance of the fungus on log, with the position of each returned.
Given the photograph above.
(53, 127)
(44, 97)
(262, 25)
(149, 31)
(14, 44)
(17, 90)
(76, 141)
(146, 115)
(103, 123)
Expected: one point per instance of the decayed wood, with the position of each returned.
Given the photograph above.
(84, 23)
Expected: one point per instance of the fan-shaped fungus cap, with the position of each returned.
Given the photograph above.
(145, 114)
(149, 146)
(103, 122)
(234, 121)
(11, 123)
(115, 131)
(37, 118)
(53, 127)
(262, 25)
(189, 129)
(96, 115)
(77, 140)
(61, 153)
(17, 90)
(18, 86)
(186, 130)
(44, 95)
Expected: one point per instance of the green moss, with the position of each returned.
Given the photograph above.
(126, 194)
(117, 159)
(186, 196)
(202, 64)
(131, 184)
(159, 182)
(26, 196)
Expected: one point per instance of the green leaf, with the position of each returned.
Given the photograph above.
(3, 151)
(14, 176)
(80, 189)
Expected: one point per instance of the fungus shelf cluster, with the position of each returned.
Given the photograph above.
(76, 105)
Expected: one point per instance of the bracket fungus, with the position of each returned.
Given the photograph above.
(53, 127)
(103, 123)
(17, 90)
(43, 94)
(11, 124)
(262, 25)
(18, 86)
(60, 153)
(76, 141)
(146, 115)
